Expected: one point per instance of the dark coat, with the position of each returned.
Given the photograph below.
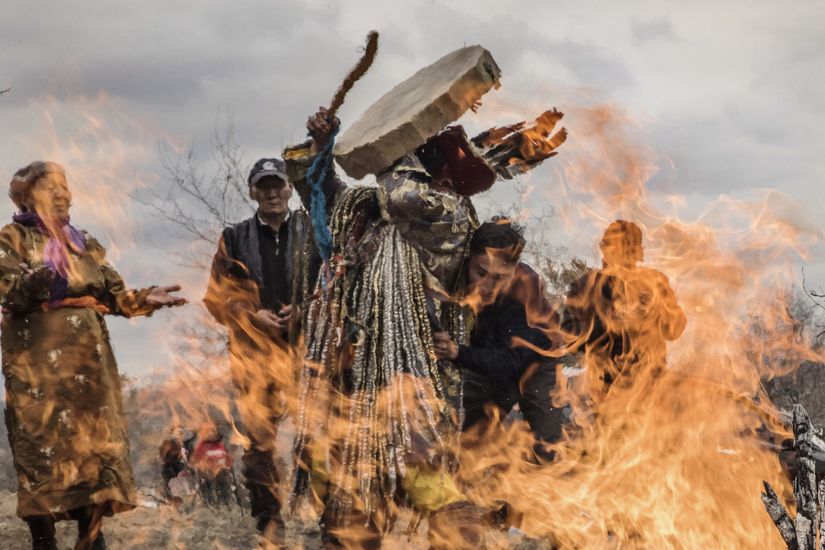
(623, 317)
(237, 276)
(521, 315)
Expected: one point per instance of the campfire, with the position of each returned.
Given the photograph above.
(671, 453)
(807, 531)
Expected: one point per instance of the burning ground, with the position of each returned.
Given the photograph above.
(151, 526)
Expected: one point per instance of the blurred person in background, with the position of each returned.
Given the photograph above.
(174, 456)
(214, 465)
(64, 409)
(622, 315)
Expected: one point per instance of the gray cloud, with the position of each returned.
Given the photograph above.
(593, 66)
(647, 30)
(729, 92)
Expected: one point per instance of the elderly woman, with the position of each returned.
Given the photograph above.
(64, 411)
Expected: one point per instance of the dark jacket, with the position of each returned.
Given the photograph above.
(236, 280)
(521, 315)
(623, 317)
(590, 312)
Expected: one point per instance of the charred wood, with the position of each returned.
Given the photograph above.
(805, 488)
(808, 528)
(821, 514)
(780, 517)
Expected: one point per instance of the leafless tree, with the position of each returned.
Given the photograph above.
(814, 314)
(557, 268)
(201, 198)
(196, 206)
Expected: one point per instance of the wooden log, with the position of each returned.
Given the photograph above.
(780, 516)
(815, 443)
(415, 110)
(821, 500)
(805, 486)
(807, 530)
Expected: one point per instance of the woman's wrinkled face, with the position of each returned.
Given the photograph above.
(50, 197)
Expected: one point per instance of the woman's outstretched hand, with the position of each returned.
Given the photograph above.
(160, 296)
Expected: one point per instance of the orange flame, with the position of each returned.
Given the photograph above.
(671, 456)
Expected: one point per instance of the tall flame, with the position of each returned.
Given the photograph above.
(668, 457)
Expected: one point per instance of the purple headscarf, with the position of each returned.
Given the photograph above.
(55, 255)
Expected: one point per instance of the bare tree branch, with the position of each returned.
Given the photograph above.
(195, 207)
(813, 297)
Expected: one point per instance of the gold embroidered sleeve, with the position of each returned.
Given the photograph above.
(14, 292)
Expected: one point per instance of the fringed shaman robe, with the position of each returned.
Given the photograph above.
(374, 401)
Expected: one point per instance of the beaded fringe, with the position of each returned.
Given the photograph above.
(372, 396)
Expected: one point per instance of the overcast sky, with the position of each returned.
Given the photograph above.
(725, 97)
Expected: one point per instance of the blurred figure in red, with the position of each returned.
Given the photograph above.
(213, 464)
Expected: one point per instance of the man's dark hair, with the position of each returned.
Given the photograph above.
(499, 236)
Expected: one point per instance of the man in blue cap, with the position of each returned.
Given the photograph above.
(262, 270)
